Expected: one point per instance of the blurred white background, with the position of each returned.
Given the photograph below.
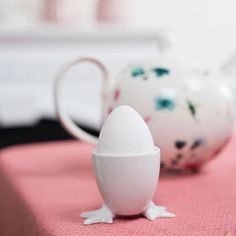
(38, 36)
(205, 29)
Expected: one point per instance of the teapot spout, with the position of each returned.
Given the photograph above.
(166, 39)
(229, 67)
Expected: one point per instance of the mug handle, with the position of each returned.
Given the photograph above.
(67, 123)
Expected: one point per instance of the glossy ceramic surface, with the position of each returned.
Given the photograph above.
(127, 183)
(188, 110)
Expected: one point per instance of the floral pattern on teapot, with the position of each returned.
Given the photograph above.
(189, 110)
(190, 115)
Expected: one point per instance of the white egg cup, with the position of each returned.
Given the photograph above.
(127, 184)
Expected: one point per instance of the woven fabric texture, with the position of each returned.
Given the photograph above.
(45, 187)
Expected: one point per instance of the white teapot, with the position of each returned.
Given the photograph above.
(189, 110)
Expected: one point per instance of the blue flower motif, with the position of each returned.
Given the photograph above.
(138, 71)
(161, 71)
(164, 103)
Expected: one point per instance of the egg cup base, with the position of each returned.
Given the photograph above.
(105, 215)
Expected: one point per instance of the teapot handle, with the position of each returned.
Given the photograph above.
(67, 123)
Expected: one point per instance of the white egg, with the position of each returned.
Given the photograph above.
(125, 133)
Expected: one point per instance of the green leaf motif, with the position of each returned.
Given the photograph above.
(160, 71)
(191, 108)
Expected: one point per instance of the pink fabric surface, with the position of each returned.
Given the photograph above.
(45, 187)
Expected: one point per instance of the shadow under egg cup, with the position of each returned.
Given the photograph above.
(127, 184)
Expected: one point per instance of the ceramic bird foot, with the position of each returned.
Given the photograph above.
(153, 212)
(104, 215)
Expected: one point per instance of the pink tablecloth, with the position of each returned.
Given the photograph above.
(45, 187)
